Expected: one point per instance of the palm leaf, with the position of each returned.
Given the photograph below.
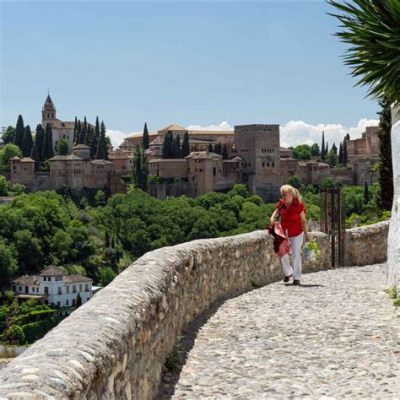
(372, 29)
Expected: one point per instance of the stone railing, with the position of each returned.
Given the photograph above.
(114, 346)
(367, 244)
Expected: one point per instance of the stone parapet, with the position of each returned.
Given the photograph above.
(114, 346)
(367, 244)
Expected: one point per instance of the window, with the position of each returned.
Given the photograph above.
(20, 288)
(59, 291)
(273, 164)
(73, 302)
(86, 287)
(48, 115)
(46, 290)
(74, 289)
(80, 287)
(67, 302)
(67, 289)
(58, 304)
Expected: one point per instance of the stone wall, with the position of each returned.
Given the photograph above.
(367, 244)
(114, 346)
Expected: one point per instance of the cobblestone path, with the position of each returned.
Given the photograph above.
(335, 337)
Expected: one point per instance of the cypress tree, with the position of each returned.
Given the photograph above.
(47, 150)
(345, 150)
(27, 142)
(341, 154)
(145, 137)
(19, 132)
(35, 155)
(97, 128)
(93, 146)
(210, 148)
(385, 196)
(137, 168)
(75, 129)
(102, 153)
(39, 138)
(323, 154)
(366, 193)
(334, 148)
(78, 132)
(185, 145)
(178, 147)
(145, 171)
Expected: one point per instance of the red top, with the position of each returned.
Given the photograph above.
(290, 217)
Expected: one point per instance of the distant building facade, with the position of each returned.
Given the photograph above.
(52, 286)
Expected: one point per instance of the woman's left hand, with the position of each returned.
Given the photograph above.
(307, 237)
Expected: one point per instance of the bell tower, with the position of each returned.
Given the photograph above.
(48, 112)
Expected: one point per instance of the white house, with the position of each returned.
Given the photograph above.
(54, 287)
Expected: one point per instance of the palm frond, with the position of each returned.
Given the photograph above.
(372, 29)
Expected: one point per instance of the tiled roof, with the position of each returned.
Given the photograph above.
(203, 154)
(81, 146)
(173, 127)
(100, 162)
(167, 160)
(69, 157)
(27, 160)
(76, 278)
(199, 132)
(52, 270)
(27, 280)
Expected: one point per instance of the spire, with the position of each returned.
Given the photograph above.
(48, 99)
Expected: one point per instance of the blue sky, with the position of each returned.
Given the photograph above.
(191, 63)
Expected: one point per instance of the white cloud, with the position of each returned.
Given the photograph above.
(292, 133)
(299, 132)
(117, 137)
(223, 126)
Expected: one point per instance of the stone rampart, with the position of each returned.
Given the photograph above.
(114, 346)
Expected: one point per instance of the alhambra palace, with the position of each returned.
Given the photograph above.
(254, 157)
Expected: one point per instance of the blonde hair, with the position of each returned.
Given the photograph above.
(292, 190)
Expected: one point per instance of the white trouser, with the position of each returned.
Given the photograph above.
(296, 246)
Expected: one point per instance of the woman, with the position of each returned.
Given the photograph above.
(292, 214)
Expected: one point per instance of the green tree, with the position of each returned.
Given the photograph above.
(8, 260)
(327, 183)
(332, 158)
(47, 149)
(315, 150)
(19, 132)
(102, 151)
(302, 152)
(366, 194)
(210, 148)
(345, 158)
(14, 335)
(323, 153)
(30, 254)
(62, 147)
(145, 137)
(74, 141)
(27, 142)
(3, 186)
(385, 196)
(9, 135)
(39, 139)
(106, 276)
(295, 181)
(35, 155)
(7, 152)
(185, 145)
(340, 158)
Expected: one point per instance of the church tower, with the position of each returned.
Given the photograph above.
(48, 112)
